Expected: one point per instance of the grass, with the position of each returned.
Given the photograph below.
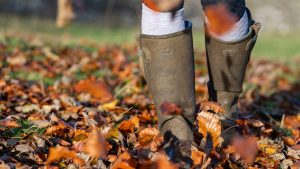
(272, 46)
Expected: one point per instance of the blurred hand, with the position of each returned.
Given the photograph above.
(163, 5)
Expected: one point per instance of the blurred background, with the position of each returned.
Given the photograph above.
(117, 22)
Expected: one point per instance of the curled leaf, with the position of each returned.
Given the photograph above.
(212, 106)
(150, 138)
(209, 124)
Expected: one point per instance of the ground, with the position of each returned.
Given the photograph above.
(88, 106)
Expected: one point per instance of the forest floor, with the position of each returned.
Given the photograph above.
(88, 106)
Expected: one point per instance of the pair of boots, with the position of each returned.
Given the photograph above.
(167, 63)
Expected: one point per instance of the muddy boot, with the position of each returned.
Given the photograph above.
(227, 63)
(167, 62)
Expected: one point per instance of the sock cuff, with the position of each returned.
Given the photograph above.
(161, 23)
(237, 32)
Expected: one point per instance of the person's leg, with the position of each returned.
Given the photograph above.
(166, 53)
(228, 52)
(65, 13)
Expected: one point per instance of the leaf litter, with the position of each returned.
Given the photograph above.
(89, 107)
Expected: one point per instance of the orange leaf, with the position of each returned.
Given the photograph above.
(9, 123)
(129, 125)
(197, 156)
(161, 161)
(220, 19)
(95, 145)
(246, 148)
(58, 129)
(150, 138)
(98, 89)
(147, 135)
(58, 152)
(212, 106)
(209, 124)
(124, 161)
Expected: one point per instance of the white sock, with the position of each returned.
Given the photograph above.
(237, 32)
(161, 23)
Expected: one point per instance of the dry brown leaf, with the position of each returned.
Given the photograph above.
(197, 156)
(212, 106)
(296, 165)
(255, 123)
(147, 135)
(59, 152)
(129, 125)
(161, 161)
(98, 89)
(95, 144)
(289, 141)
(292, 121)
(60, 129)
(9, 123)
(246, 148)
(209, 124)
(124, 161)
(150, 138)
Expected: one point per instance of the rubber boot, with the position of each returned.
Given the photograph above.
(227, 63)
(167, 62)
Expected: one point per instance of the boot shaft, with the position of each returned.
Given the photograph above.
(168, 65)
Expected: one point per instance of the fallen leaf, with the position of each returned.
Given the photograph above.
(246, 148)
(211, 106)
(161, 161)
(98, 89)
(124, 161)
(197, 156)
(129, 125)
(149, 138)
(209, 124)
(95, 144)
(59, 152)
(9, 123)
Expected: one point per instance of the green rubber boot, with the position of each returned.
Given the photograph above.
(227, 63)
(167, 62)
